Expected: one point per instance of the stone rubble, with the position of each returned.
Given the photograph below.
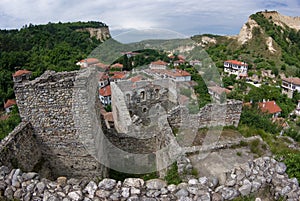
(241, 181)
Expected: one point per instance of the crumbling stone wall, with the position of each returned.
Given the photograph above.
(137, 102)
(20, 149)
(241, 181)
(47, 104)
(210, 115)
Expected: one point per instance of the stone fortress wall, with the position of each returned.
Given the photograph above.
(47, 104)
(20, 149)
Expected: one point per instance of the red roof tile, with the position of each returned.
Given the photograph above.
(173, 73)
(117, 65)
(103, 76)
(270, 107)
(21, 72)
(118, 75)
(90, 61)
(136, 78)
(9, 103)
(159, 62)
(179, 61)
(108, 116)
(293, 80)
(181, 57)
(105, 91)
(237, 62)
(218, 90)
(101, 65)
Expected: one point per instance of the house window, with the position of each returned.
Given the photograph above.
(156, 93)
(142, 95)
(128, 97)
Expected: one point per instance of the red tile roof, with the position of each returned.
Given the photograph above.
(90, 61)
(105, 91)
(21, 72)
(236, 62)
(136, 78)
(103, 76)
(118, 75)
(218, 90)
(9, 103)
(108, 116)
(178, 73)
(179, 61)
(293, 80)
(181, 57)
(101, 65)
(117, 65)
(159, 62)
(270, 107)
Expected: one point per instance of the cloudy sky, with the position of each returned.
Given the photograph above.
(188, 17)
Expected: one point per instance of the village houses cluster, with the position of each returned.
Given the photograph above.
(160, 70)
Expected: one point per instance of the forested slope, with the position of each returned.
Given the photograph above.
(43, 47)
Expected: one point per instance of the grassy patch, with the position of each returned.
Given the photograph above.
(278, 146)
(255, 147)
(172, 176)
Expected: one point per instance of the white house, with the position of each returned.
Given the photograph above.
(9, 104)
(195, 62)
(179, 75)
(87, 62)
(179, 62)
(103, 79)
(158, 65)
(21, 75)
(289, 85)
(174, 74)
(216, 92)
(270, 107)
(235, 67)
(105, 95)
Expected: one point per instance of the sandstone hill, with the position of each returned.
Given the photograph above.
(268, 40)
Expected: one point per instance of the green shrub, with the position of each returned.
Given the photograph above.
(172, 176)
(292, 161)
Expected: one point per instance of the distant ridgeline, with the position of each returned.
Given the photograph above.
(54, 46)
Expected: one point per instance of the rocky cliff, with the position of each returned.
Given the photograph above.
(246, 31)
(282, 20)
(101, 34)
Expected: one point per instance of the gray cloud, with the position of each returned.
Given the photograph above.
(187, 17)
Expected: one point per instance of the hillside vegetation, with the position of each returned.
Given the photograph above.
(43, 47)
